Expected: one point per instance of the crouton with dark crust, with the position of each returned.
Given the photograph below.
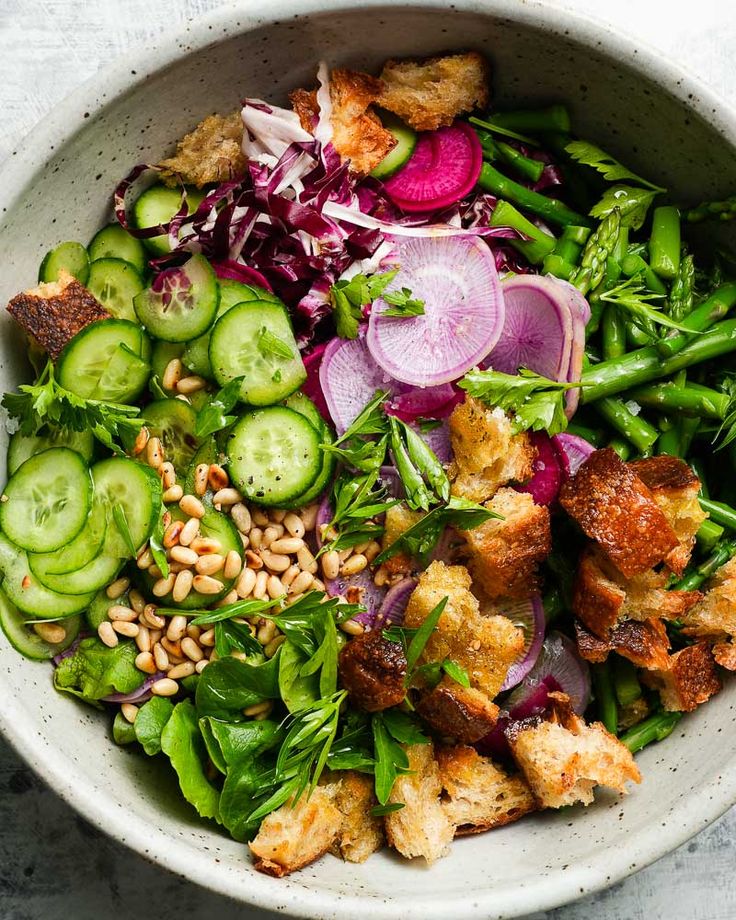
(477, 794)
(210, 153)
(55, 311)
(690, 680)
(644, 642)
(675, 488)
(462, 713)
(725, 655)
(373, 669)
(487, 454)
(714, 615)
(504, 551)
(430, 93)
(614, 507)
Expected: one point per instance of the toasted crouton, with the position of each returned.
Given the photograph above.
(478, 795)
(614, 507)
(632, 713)
(55, 311)
(372, 670)
(725, 655)
(715, 614)
(431, 93)
(563, 760)
(602, 598)
(462, 713)
(399, 518)
(690, 679)
(360, 832)
(487, 452)
(210, 153)
(644, 642)
(505, 550)
(295, 835)
(421, 827)
(675, 489)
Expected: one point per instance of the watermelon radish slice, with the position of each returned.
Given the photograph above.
(443, 169)
(349, 378)
(456, 278)
(580, 309)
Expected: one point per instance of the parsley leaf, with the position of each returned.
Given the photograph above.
(590, 155)
(270, 345)
(632, 204)
(632, 296)
(213, 416)
(402, 304)
(349, 296)
(356, 501)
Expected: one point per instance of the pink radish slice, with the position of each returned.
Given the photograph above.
(538, 329)
(394, 604)
(311, 386)
(349, 378)
(576, 449)
(548, 477)
(456, 278)
(528, 613)
(443, 168)
(230, 270)
(580, 309)
(559, 661)
(412, 403)
(438, 440)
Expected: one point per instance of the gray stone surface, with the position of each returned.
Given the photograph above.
(53, 865)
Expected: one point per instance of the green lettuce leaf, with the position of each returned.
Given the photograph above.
(182, 742)
(150, 723)
(95, 671)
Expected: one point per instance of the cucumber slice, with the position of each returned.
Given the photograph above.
(136, 490)
(181, 303)
(25, 640)
(255, 341)
(115, 283)
(26, 591)
(206, 453)
(90, 578)
(47, 500)
(302, 404)
(71, 257)
(125, 374)
(324, 477)
(163, 353)
(23, 446)
(173, 421)
(157, 205)
(96, 613)
(85, 359)
(274, 455)
(86, 546)
(113, 242)
(406, 141)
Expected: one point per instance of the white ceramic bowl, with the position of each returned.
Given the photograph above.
(58, 187)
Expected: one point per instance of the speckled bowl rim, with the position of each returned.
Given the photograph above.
(689, 817)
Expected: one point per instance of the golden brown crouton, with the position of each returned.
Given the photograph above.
(602, 598)
(421, 827)
(462, 713)
(504, 551)
(292, 837)
(360, 833)
(614, 507)
(725, 655)
(690, 679)
(372, 670)
(399, 518)
(487, 452)
(484, 646)
(632, 713)
(564, 760)
(478, 795)
(210, 153)
(55, 311)
(675, 489)
(715, 614)
(430, 93)
(644, 642)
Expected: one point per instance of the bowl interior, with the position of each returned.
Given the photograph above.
(64, 193)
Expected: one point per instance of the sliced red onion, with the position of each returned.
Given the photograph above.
(349, 378)
(548, 476)
(235, 271)
(394, 603)
(528, 613)
(411, 403)
(311, 386)
(558, 661)
(456, 278)
(574, 448)
(438, 440)
(538, 328)
(138, 695)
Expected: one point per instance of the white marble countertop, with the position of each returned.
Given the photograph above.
(53, 865)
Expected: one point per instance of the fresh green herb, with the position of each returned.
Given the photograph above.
(379, 810)
(391, 729)
(95, 671)
(121, 522)
(716, 210)
(231, 636)
(490, 125)
(356, 447)
(422, 635)
(726, 434)
(428, 424)
(631, 203)
(150, 723)
(46, 402)
(356, 500)
(590, 155)
(416, 462)
(297, 690)
(182, 742)
(244, 608)
(157, 390)
(122, 730)
(156, 543)
(403, 304)
(227, 686)
(348, 297)
(632, 296)
(598, 248)
(270, 345)
(537, 403)
(456, 672)
(213, 415)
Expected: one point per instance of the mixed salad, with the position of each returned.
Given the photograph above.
(372, 471)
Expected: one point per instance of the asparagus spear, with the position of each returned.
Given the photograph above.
(681, 292)
(719, 512)
(708, 535)
(622, 447)
(613, 333)
(491, 180)
(537, 244)
(720, 556)
(664, 243)
(554, 118)
(722, 210)
(599, 247)
(605, 700)
(702, 402)
(634, 428)
(655, 728)
(707, 313)
(625, 682)
(527, 167)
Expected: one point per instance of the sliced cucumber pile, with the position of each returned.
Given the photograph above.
(115, 283)
(25, 640)
(181, 303)
(23, 446)
(157, 205)
(173, 421)
(113, 242)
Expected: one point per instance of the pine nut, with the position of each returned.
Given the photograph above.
(119, 612)
(352, 628)
(172, 533)
(208, 565)
(190, 384)
(153, 619)
(154, 453)
(145, 558)
(172, 649)
(258, 708)
(173, 494)
(275, 562)
(381, 577)
(172, 374)
(117, 588)
(287, 545)
(266, 632)
(259, 589)
(143, 639)
(182, 586)
(260, 518)
(230, 598)
(200, 478)
(256, 537)
(162, 587)
(141, 439)
(309, 516)
(50, 632)
(177, 628)
(217, 478)
(194, 632)
(246, 583)
(270, 650)
(354, 565)
(227, 497)
(306, 560)
(129, 712)
(184, 554)
(107, 634)
(201, 665)
(156, 636)
(254, 560)
(331, 565)
(290, 574)
(277, 515)
(144, 662)
(345, 554)
(206, 585)
(154, 571)
(191, 649)
(271, 533)
(185, 669)
(137, 601)
(124, 628)
(168, 474)
(207, 638)
(372, 550)
(361, 547)
(233, 564)
(318, 584)
(192, 506)
(160, 657)
(241, 517)
(205, 545)
(245, 540)
(176, 567)
(164, 687)
(274, 587)
(189, 533)
(294, 525)
(303, 582)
